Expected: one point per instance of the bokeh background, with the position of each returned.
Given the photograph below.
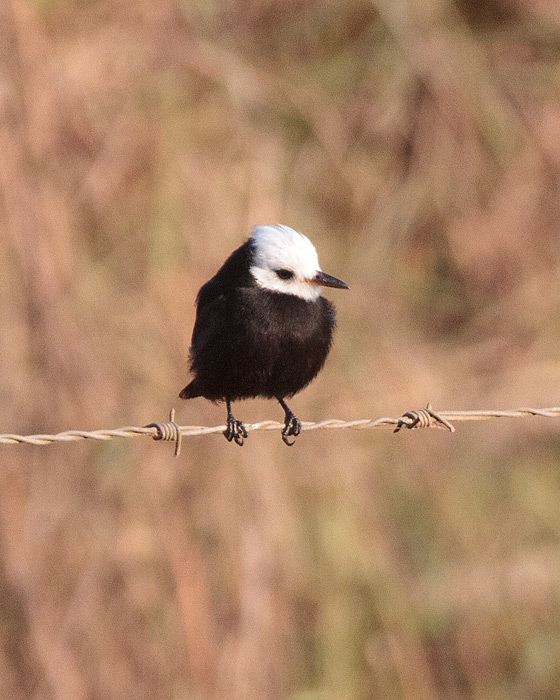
(418, 145)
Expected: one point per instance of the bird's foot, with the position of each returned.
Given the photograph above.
(235, 431)
(292, 428)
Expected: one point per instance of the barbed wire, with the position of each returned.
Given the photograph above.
(171, 431)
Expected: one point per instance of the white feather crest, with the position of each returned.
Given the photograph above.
(280, 247)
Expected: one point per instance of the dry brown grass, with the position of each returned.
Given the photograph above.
(419, 148)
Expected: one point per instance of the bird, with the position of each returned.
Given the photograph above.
(262, 327)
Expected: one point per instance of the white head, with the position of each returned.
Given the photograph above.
(285, 261)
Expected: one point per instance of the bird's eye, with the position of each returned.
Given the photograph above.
(284, 274)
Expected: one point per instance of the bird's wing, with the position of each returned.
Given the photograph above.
(210, 304)
(215, 300)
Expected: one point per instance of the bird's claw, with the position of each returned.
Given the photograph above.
(235, 431)
(292, 428)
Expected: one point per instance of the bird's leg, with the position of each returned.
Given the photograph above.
(235, 430)
(292, 424)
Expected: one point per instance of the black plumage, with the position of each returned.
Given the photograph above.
(250, 341)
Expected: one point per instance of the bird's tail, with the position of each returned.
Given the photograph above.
(189, 392)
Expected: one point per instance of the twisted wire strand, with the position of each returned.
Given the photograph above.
(423, 418)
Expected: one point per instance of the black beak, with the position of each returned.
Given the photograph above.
(321, 279)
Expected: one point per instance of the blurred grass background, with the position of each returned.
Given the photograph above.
(418, 145)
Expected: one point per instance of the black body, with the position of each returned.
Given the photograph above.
(248, 341)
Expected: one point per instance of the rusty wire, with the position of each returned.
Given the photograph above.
(170, 430)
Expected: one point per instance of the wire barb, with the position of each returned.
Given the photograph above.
(169, 431)
(424, 418)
